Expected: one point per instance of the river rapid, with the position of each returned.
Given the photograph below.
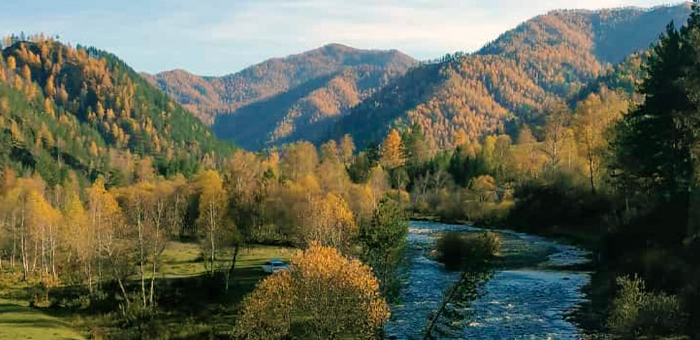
(528, 296)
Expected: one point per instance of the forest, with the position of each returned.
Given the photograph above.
(123, 217)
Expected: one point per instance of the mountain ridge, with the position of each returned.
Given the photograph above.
(511, 80)
(209, 96)
(86, 110)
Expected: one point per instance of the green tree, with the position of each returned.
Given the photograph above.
(383, 240)
(656, 144)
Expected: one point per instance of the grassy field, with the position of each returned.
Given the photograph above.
(184, 259)
(193, 305)
(18, 321)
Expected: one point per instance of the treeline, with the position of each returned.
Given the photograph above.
(479, 181)
(91, 235)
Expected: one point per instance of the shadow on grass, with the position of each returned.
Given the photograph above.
(22, 322)
(191, 307)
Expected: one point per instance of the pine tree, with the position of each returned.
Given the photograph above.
(656, 145)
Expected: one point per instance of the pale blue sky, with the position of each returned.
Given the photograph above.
(215, 37)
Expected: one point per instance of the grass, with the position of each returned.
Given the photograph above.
(192, 305)
(184, 259)
(190, 296)
(19, 321)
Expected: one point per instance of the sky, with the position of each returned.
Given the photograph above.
(216, 37)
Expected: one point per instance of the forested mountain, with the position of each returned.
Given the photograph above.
(65, 108)
(285, 99)
(512, 80)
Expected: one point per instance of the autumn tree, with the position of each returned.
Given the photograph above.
(593, 118)
(11, 63)
(392, 152)
(298, 160)
(247, 187)
(145, 207)
(105, 223)
(324, 296)
(527, 156)
(555, 132)
(79, 236)
(332, 175)
(347, 148)
(212, 221)
(329, 221)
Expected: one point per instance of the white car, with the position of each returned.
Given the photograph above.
(274, 265)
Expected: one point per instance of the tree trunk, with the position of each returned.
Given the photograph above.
(121, 287)
(443, 305)
(591, 172)
(44, 265)
(88, 273)
(36, 254)
(14, 242)
(23, 251)
(211, 236)
(53, 257)
(141, 257)
(155, 249)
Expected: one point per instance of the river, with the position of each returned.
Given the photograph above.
(529, 295)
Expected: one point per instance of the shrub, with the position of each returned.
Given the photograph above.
(638, 313)
(459, 250)
(324, 295)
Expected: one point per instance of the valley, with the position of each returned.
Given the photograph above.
(543, 185)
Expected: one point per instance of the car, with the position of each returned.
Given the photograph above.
(274, 265)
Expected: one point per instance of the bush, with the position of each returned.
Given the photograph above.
(638, 313)
(542, 206)
(459, 250)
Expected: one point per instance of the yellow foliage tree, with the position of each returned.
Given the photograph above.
(347, 148)
(48, 107)
(329, 221)
(104, 219)
(78, 237)
(11, 63)
(324, 296)
(212, 210)
(392, 150)
(26, 73)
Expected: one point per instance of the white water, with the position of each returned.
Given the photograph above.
(528, 300)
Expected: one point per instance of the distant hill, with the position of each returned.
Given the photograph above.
(285, 99)
(550, 57)
(82, 109)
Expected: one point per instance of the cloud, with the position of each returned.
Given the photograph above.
(222, 36)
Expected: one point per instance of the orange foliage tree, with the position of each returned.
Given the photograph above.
(325, 295)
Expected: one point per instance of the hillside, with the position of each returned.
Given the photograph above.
(511, 80)
(65, 108)
(284, 99)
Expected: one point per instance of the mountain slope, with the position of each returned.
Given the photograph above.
(285, 99)
(509, 81)
(65, 108)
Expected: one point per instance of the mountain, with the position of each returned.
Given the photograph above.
(82, 109)
(285, 99)
(509, 81)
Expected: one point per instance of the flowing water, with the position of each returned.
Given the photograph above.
(527, 297)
